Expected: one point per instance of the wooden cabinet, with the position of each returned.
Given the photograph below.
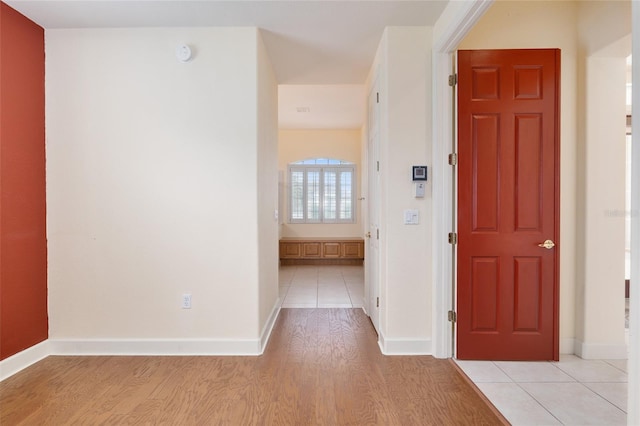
(353, 249)
(331, 251)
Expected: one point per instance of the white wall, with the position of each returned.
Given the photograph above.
(604, 31)
(603, 23)
(530, 24)
(301, 144)
(600, 310)
(405, 255)
(152, 185)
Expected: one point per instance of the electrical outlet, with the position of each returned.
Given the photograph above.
(186, 301)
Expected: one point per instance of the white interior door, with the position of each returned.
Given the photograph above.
(373, 230)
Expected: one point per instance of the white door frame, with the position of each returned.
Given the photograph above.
(633, 363)
(372, 258)
(464, 16)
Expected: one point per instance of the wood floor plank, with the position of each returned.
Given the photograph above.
(321, 367)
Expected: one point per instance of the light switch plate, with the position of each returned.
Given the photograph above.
(411, 217)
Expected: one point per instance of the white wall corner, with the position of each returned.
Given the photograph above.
(22, 360)
(153, 347)
(268, 326)
(599, 351)
(567, 346)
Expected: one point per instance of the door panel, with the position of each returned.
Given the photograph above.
(528, 164)
(508, 204)
(484, 290)
(485, 146)
(527, 292)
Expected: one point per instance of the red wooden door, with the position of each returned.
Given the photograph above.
(508, 204)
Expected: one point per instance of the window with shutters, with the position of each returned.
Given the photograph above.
(322, 190)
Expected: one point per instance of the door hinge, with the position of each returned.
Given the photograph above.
(377, 234)
(453, 238)
(377, 302)
(377, 97)
(453, 159)
(452, 316)
(453, 80)
(377, 166)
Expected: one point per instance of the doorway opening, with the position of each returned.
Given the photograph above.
(321, 162)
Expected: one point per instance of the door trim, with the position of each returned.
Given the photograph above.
(372, 263)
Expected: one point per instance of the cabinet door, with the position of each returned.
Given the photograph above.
(353, 250)
(331, 250)
(290, 250)
(311, 249)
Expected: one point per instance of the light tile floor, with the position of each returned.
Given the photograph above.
(325, 286)
(572, 391)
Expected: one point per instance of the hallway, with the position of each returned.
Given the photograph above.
(327, 286)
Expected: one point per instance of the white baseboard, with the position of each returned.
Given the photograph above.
(22, 360)
(268, 327)
(168, 347)
(599, 351)
(145, 347)
(155, 347)
(404, 346)
(364, 309)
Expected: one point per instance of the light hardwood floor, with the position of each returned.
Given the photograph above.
(321, 367)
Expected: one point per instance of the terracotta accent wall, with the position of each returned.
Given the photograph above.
(23, 248)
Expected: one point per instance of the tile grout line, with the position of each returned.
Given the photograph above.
(615, 366)
(539, 403)
(518, 384)
(601, 396)
(555, 364)
(346, 287)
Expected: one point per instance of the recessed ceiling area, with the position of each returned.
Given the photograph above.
(309, 43)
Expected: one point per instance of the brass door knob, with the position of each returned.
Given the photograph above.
(548, 244)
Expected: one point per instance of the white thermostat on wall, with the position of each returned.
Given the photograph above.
(183, 53)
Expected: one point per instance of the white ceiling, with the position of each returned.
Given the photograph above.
(321, 106)
(326, 42)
